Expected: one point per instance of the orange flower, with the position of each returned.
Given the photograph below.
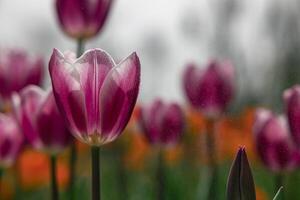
(195, 121)
(173, 155)
(33, 169)
(260, 194)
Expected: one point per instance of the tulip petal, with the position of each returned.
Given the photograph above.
(118, 97)
(92, 68)
(64, 82)
(240, 183)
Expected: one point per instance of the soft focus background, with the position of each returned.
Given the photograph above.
(260, 36)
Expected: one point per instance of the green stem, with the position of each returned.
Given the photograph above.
(160, 176)
(279, 181)
(80, 47)
(54, 187)
(123, 178)
(211, 150)
(1, 175)
(96, 187)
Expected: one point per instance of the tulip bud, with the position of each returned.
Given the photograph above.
(273, 142)
(11, 140)
(209, 90)
(82, 19)
(95, 96)
(17, 70)
(292, 103)
(240, 183)
(40, 120)
(162, 123)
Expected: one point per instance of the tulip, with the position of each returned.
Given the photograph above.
(292, 104)
(40, 120)
(162, 123)
(17, 70)
(209, 90)
(11, 140)
(42, 125)
(240, 183)
(96, 97)
(273, 142)
(82, 19)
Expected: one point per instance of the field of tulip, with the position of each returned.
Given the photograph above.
(87, 135)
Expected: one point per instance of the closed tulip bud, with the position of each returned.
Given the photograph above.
(42, 124)
(82, 19)
(273, 142)
(292, 104)
(95, 95)
(209, 90)
(240, 183)
(162, 123)
(11, 140)
(17, 70)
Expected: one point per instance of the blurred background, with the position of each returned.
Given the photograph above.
(261, 37)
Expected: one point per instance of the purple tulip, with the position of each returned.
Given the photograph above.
(162, 123)
(273, 142)
(292, 101)
(17, 70)
(40, 120)
(82, 19)
(209, 90)
(95, 95)
(11, 140)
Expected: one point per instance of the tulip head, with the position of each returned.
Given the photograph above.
(209, 90)
(273, 142)
(11, 140)
(240, 183)
(95, 95)
(17, 70)
(292, 104)
(82, 19)
(162, 123)
(40, 120)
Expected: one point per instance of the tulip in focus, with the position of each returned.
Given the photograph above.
(17, 70)
(40, 120)
(11, 140)
(95, 95)
(240, 183)
(162, 123)
(209, 90)
(292, 104)
(82, 19)
(273, 142)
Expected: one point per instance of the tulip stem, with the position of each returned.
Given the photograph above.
(80, 47)
(123, 178)
(212, 160)
(279, 182)
(72, 165)
(96, 187)
(160, 176)
(54, 188)
(1, 175)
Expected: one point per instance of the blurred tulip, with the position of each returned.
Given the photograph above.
(240, 183)
(40, 120)
(273, 142)
(82, 19)
(11, 140)
(18, 70)
(162, 123)
(292, 102)
(95, 95)
(209, 90)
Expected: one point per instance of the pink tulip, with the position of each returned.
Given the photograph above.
(95, 95)
(209, 90)
(292, 102)
(11, 140)
(82, 19)
(18, 70)
(162, 123)
(273, 142)
(40, 120)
